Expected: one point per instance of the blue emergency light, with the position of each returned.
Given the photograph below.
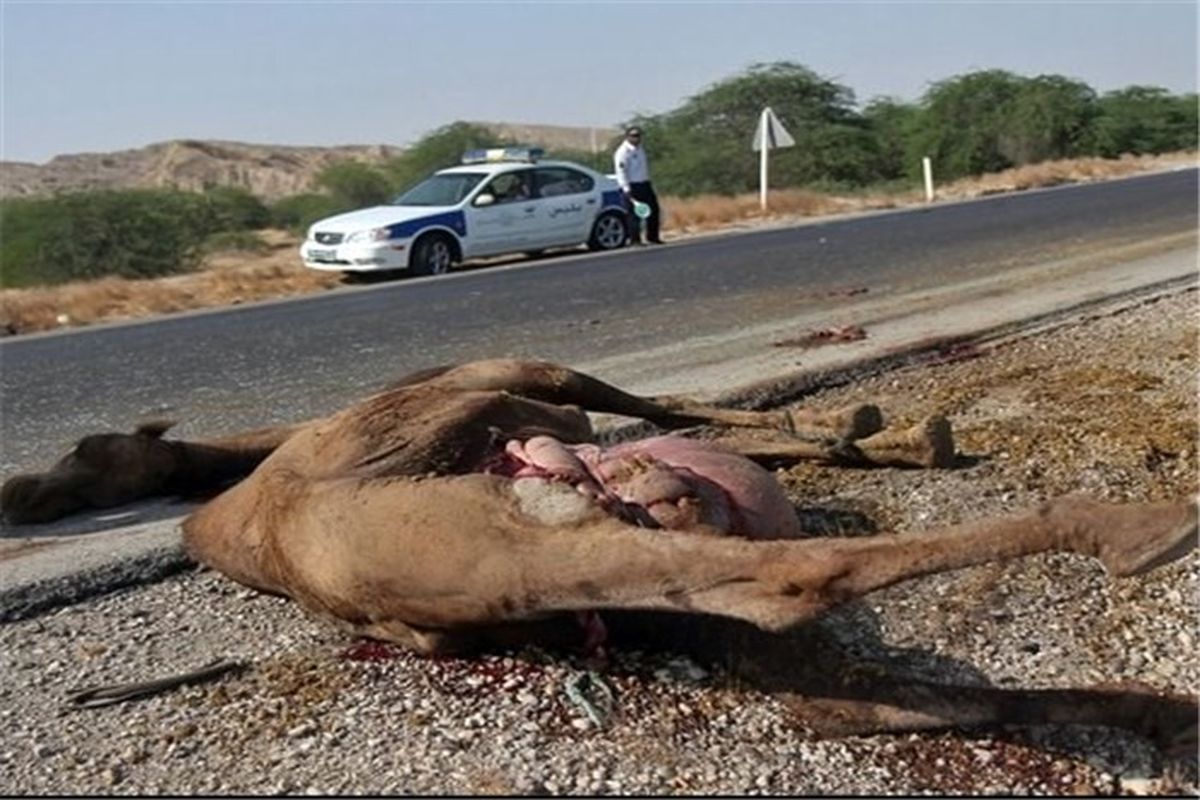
(494, 154)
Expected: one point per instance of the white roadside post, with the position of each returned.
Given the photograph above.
(770, 133)
(928, 166)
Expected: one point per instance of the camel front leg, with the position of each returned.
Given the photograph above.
(847, 423)
(551, 383)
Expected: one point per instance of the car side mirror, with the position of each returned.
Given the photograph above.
(484, 199)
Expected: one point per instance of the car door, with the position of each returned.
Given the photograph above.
(510, 221)
(569, 204)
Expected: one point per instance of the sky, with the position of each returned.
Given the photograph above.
(103, 76)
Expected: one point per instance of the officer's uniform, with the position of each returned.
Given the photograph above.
(633, 174)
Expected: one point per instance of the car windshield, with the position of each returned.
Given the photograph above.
(440, 190)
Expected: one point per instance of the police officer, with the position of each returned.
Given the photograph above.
(633, 174)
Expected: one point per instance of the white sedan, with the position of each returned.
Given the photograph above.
(497, 202)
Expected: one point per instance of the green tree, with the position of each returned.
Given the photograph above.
(600, 161)
(354, 184)
(893, 124)
(1050, 117)
(961, 123)
(1145, 119)
(438, 150)
(704, 145)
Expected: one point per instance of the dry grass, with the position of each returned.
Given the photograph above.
(232, 278)
(226, 279)
(706, 212)
(1053, 173)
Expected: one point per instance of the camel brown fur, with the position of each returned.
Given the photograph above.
(111, 469)
(468, 507)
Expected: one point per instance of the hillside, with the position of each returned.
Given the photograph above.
(269, 171)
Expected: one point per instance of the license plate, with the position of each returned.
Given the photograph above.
(322, 255)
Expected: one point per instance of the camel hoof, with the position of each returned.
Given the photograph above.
(860, 421)
(1171, 534)
(1131, 539)
(939, 442)
(929, 443)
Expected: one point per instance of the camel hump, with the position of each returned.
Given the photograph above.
(154, 428)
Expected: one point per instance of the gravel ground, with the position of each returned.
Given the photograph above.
(1104, 405)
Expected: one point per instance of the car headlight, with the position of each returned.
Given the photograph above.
(373, 235)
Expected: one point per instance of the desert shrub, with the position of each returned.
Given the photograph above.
(354, 184)
(1145, 119)
(236, 209)
(234, 241)
(298, 211)
(129, 233)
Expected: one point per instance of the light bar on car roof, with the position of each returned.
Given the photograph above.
(493, 154)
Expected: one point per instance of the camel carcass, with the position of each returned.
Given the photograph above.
(471, 507)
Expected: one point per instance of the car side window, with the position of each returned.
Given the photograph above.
(511, 187)
(556, 181)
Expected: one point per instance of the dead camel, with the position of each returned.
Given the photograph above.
(469, 507)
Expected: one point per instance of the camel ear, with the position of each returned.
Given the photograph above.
(154, 428)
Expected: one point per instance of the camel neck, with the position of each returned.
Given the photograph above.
(202, 467)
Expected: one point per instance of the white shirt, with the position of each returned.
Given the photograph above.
(630, 163)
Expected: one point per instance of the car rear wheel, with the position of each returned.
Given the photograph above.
(609, 232)
(432, 255)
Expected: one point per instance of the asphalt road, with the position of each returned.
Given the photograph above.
(278, 361)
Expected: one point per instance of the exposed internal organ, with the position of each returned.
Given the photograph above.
(665, 482)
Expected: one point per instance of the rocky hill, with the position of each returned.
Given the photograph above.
(269, 171)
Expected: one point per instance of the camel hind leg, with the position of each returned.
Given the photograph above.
(930, 443)
(551, 383)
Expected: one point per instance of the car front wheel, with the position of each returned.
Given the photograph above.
(609, 232)
(432, 255)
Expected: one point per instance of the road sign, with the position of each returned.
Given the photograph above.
(769, 134)
(770, 127)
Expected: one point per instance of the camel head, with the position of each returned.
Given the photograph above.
(101, 471)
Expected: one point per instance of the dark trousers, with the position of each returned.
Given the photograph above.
(643, 192)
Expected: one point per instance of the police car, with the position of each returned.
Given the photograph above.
(504, 200)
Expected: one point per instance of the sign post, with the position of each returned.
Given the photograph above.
(770, 133)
